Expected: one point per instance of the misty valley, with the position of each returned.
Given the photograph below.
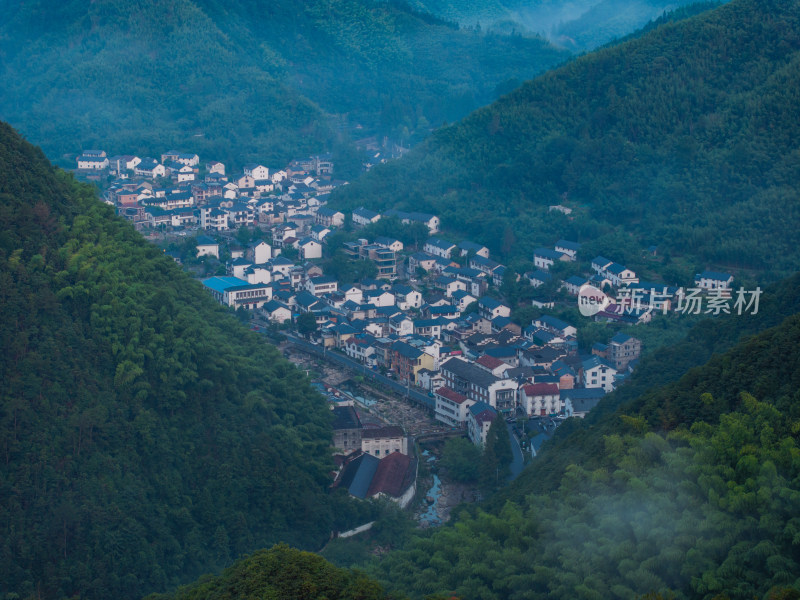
(423, 299)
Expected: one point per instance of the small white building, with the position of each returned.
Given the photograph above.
(259, 252)
(713, 280)
(309, 248)
(479, 419)
(207, 247)
(383, 441)
(597, 373)
(256, 171)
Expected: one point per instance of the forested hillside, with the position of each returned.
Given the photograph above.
(146, 437)
(281, 573)
(690, 490)
(685, 138)
(244, 80)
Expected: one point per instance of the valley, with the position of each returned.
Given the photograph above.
(399, 300)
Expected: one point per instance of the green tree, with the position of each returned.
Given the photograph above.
(497, 455)
(461, 458)
(306, 324)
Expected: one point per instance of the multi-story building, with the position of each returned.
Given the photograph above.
(479, 419)
(480, 385)
(347, 429)
(540, 399)
(451, 407)
(382, 441)
(622, 350)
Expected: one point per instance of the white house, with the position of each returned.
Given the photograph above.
(310, 248)
(540, 399)
(406, 297)
(281, 266)
(353, 293)
(321, 285)
(713, 280)
(479, 418)
(149, 168)
(215, 218)
(318, 232)
(439, 247)
(259, 252)
(329, 217)
(207, 247)
(620, 275)
(390, 243)
(489, 308)
(462, 300)
(238, 266)
(258, 274)
(451, 407)
(431, 221)
(600, 263)
(92, 162)
(568, 248)
(556, 326)
(277, 312)
(544, 258)
(401, 325)
(480, 385)
(188, 159)
(256, 171)
(363, 216)
(214, 166)
(379, 298)
(597, 373)
(574, 284)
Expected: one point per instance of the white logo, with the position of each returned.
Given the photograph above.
(591, 300)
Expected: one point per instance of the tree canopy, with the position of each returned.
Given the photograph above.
(146, 437)
(242, 82)
(684, 138)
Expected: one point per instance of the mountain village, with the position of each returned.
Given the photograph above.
(431, 318)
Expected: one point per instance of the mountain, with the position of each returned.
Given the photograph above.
(684, 138)
(577, 25)
(146, 437)
(242, 81)
(688, 490)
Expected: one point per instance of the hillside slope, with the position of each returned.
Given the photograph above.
(146, 437)
(242, 81)
(701, 504)
(685, 138)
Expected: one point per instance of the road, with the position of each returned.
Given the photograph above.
(403, 390)
(517, 462)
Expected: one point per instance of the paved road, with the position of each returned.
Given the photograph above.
(348, 362)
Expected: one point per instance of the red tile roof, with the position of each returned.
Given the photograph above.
(395, 473)
(490, 362)
(540, 389)
(452, 395)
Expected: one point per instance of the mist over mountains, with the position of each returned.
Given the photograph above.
(577, 25)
